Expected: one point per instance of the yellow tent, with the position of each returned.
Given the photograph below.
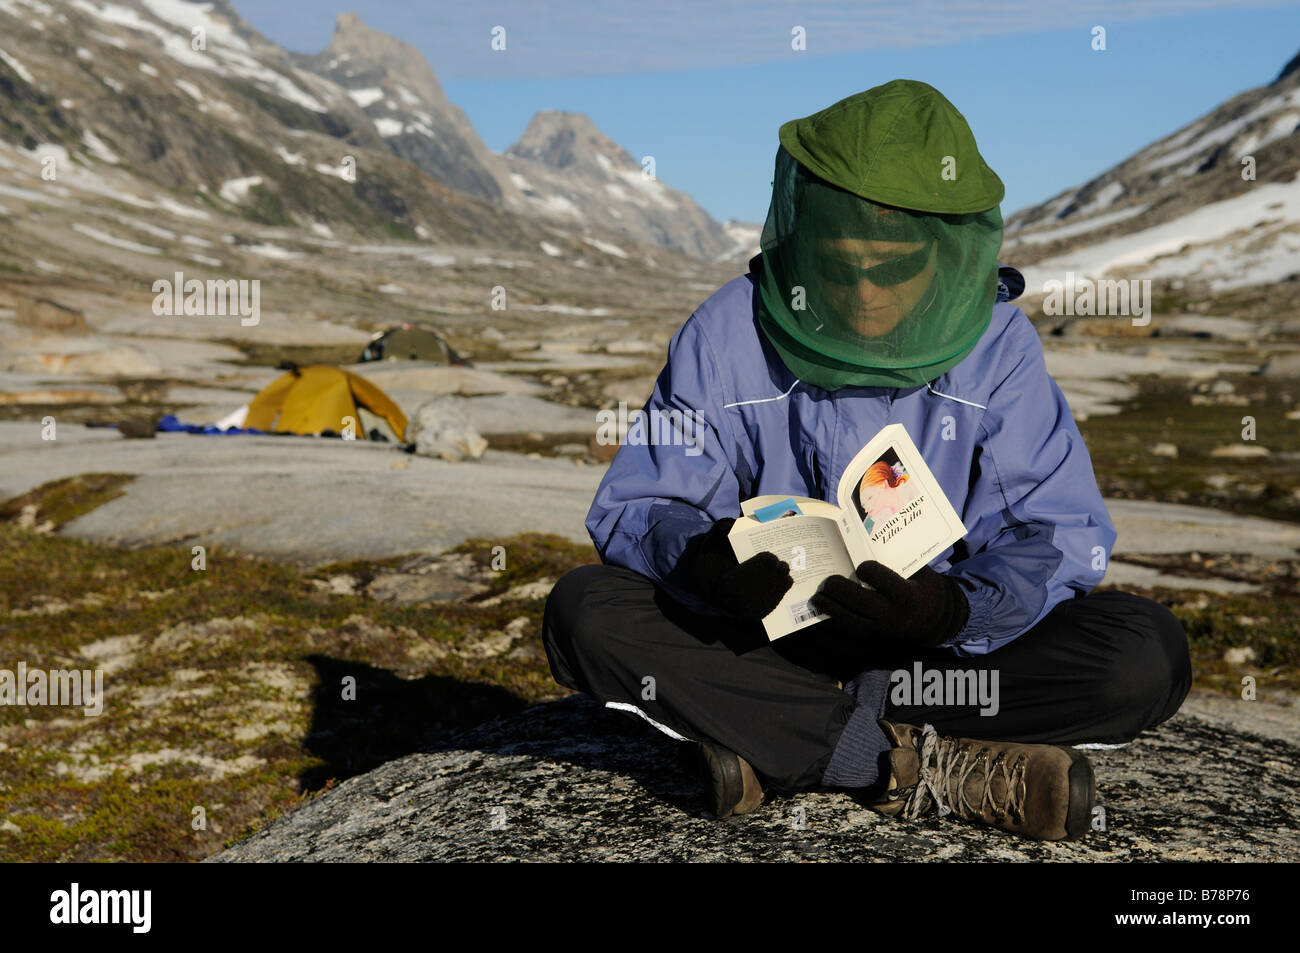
(309, 400)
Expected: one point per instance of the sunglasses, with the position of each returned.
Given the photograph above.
(892, 272)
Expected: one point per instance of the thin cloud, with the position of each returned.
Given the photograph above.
(584, 38)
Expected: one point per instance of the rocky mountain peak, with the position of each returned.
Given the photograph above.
(562, 139)
(1292, 65)
(353, 40)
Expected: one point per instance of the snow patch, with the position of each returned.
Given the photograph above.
(18, 68)
(114, 41)
(187, 16)
(551, 249)
(1077, 228)
(1225, 132)
(340, 172)
(558, 203)
(606, 247)
(565, 309)
(392, 290)
(98, 149)
(388, 127)
(148, 69)
(145, 227)
(107, 239)
(267, 250)
(168, 204)
(1104, 198)
(651, 189)
(235, 191)
(17, 192)
(290, 158)
(1215, 223)
(364, 97)
(189, 89)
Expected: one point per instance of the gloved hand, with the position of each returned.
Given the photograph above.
(748, 590)
(926, 610)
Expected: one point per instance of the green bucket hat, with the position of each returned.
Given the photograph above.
(891, 144)
(879, 253)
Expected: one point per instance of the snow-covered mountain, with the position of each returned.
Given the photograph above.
(141, 95)
(562, 167)
(565, 167)
(1210, 213)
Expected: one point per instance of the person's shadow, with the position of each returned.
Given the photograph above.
(359, 726)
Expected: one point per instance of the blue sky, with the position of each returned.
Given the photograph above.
(703, 86)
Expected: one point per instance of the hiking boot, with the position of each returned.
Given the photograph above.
(730, 782)
(1043, 792)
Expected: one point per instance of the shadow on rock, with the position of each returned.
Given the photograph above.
(387, 716)
(579, 731)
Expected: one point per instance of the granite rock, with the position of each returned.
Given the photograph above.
(572, 781)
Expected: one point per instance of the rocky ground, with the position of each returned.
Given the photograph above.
(331, 558)
(572, 781)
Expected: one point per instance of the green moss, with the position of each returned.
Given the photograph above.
(62, 501)
(1162, 412)
(526, 557)
(281, 671)
(264, 206)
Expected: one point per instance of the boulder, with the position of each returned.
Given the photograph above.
(1239, 451)
(573, 781)
(1282, 365)
(48, 315)
(441, 427)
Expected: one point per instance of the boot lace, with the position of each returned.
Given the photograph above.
(943, 760)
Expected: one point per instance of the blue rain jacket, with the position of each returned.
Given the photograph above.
(727, 421)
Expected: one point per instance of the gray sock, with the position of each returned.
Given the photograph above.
(855, 763)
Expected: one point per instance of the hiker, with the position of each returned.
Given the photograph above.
(874, 301)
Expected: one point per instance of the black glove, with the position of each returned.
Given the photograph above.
(748, 590)
(927, 609)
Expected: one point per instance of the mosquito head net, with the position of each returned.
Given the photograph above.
(854, 291)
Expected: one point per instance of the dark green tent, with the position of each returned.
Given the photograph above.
(410, 342)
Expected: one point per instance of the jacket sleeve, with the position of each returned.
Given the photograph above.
(671, 479)
(1038, 531)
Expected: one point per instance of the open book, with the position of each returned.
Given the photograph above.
(891, 509)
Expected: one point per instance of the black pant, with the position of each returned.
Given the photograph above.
(1097, 669)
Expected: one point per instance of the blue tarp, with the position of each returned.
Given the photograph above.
(170, 424)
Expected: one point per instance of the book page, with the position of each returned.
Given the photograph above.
(894, 507)
(813, 549)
